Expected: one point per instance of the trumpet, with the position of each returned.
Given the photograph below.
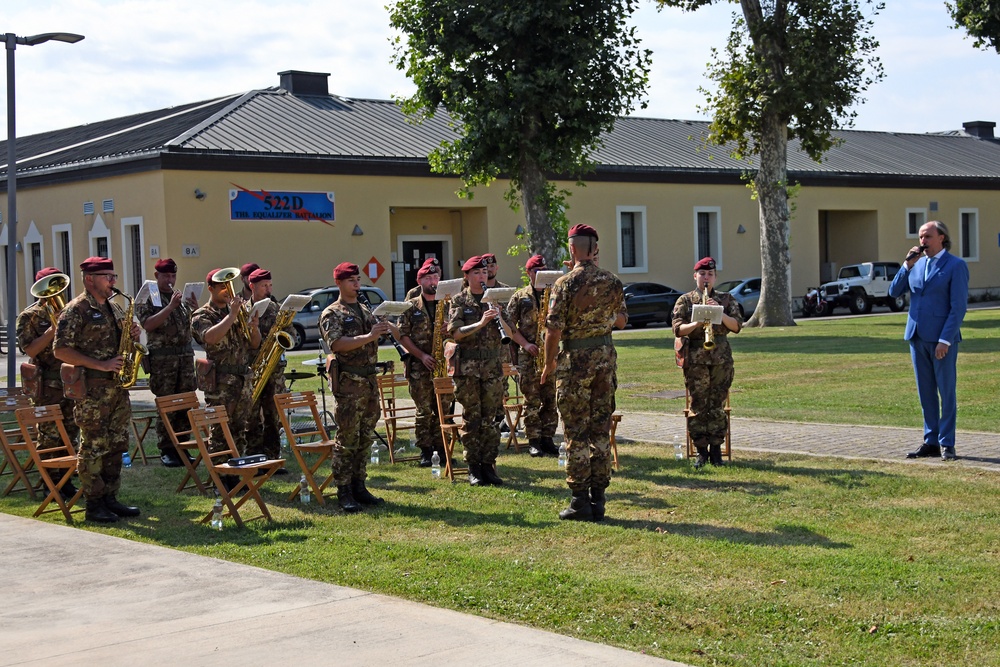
(709, 331)
(129, 350)
(49, 291)
(403, 354)
(227, 276)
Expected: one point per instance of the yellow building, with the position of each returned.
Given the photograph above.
(298, 180)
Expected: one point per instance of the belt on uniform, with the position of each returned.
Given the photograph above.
(49, 374)
(479, 353)
(364, 371)
(98, 375)
(584, 343)
(171, 351)
(232, 369)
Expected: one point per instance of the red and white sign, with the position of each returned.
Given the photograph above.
(374, 270)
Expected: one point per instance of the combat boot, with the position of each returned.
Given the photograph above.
(715, 455)
(111, 502)
(597, 501)
(703, 456)
(97, 512)
(535, 447)
(579, 508)
(476, 477)
(362, 494)
(549, 446)
(489, 475)
(425, 458)
(346, 500)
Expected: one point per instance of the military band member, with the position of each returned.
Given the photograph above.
(245, 271)
(584, 306)
(263, 436)
(428, 263)
(171, 357)
(540, 415)
(708, 374)
(479, 372)
(491, 271)
(352, 332)
(416, 327)
(89, 334)
(35, 334)
(215, 327)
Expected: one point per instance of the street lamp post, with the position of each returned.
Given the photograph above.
(11, 40)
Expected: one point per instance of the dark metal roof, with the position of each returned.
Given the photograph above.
(318, 132)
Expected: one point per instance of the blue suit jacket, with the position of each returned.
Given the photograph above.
(937, 305)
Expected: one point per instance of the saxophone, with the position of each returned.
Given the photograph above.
(274, 345)
(543, 313)
(129, 350)
(437, 342)
(709, 331)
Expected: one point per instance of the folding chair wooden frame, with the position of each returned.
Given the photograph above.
(396, 417)
(444, 388)
(63, 457)
(616, 419)
(167, 405)
(306, 441)
(513, 407)
(727, 450)
(12, 443)
(217, 464)
(141, 425)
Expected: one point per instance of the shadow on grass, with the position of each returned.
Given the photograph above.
(664, 472)
(845, 478)
(782, 536)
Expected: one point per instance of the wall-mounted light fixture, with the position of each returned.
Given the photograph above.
(18, 247)
(741, 230)
(198, 194)
(519, 231)
(357, 231)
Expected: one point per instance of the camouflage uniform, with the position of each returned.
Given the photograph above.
(32, 323)
(478, 380)
(414, 291)
(583, 306)
(418, 325)
(708, 374)
(262, 432)
(232, 357)
(540, 416)
(356, 411)
(171, 361)
(103, 417)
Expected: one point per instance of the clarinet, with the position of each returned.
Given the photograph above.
(403, 354)
(504, 338)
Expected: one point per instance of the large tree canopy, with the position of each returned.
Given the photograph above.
(979, 18)
(530, 85)
(792, 68)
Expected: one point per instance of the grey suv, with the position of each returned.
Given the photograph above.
(306, 322)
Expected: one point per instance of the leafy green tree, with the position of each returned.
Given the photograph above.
(979, 18)
(792, 69)
(530, 87)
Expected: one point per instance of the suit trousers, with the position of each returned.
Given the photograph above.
(936, 388)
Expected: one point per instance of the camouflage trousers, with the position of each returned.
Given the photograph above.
(708, 386)
(481, 397)
(232, 393)
(48, 434)
(356, 413)
(167, 376)
(428, 431)
(540, 415)
(103, 418)
(264, 429)
(585, 393)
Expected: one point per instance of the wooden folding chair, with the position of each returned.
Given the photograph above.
(306, 438)
(395, 416)
(12, 443)
(726, 446)
(183, 441)
(60, 457)
(250, 477)
(513, 407)
(615, 420)
(444, 391)
(142, 423)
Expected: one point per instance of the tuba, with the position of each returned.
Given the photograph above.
(277, 343)
(129, 350)
(49, 292)
(709, 331)
(227, 276)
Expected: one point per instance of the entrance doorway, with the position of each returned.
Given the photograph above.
(414, 255)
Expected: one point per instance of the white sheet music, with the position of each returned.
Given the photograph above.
(545, 279)
(295, 302)
(446, 289)
(391, 308)
(193, 289)
(499, 294)
(701, 313)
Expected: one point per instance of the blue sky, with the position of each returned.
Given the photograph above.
(140, 55)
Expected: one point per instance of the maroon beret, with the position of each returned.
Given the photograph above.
(430, 266)
(582, 230)
(490, 258)
(345, 270)
(536, 262)
(208, 278)
(704, 263)
(258, 275)
(47, 271)
(95, 264)
(474, 262)
(248, 268)
(166, 266)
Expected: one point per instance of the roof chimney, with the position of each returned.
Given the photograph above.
(981, 129)
(305, 83)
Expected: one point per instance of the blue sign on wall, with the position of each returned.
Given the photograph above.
(265, 205)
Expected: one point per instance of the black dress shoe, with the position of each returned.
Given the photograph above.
(98, 513)
(171, 460)
(112, 504)
(925, 452)
(948, 454)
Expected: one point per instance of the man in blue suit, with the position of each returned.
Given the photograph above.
(938, 283)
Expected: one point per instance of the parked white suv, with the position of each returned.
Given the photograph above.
(860, 286)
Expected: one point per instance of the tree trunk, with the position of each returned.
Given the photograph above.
(541, 237)
(771, 182)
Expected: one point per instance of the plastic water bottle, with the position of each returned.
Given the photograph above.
(217, 514)
(562, 455)
(304, 494)
(436, 466)
(126, 460)
(375, 453)
(678, 450)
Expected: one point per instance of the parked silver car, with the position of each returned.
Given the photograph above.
(306, 322)
(745, 291)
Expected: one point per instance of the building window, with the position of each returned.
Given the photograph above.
(102, 246)
(631, 223)
(708, 233)
(915, 219)
(36, 257)
(968, 234)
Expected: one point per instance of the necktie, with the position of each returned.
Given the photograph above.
(928, 265)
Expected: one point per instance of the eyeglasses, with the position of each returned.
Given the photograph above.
(109, 276)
